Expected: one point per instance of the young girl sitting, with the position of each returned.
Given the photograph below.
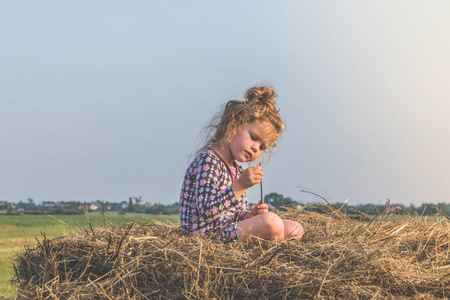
(213, 200)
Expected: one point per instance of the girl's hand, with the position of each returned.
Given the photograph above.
(247, 179)
(251, 176)
(261, 208)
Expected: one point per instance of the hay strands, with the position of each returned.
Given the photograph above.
(336, 212)
(317, 195)
(116, 252)
(438, 246)
(144, 262)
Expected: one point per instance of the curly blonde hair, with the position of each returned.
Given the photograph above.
(259, 105)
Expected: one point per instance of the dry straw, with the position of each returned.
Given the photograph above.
(338, 258)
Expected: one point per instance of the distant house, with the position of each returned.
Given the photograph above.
(6, 205)
(87, 206)
(49, 204)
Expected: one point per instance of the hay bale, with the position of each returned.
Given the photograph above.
(337, 258)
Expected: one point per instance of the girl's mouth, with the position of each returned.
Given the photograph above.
(249, 154)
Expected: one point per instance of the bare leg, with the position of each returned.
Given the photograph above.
(292, 229)
(267, 226)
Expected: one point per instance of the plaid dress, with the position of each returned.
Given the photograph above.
(208, 205)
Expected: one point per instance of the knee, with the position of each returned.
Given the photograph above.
(274, 225)
(293, 229)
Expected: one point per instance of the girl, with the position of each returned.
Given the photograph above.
(213, 200)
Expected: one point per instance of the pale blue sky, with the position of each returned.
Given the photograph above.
(106, 99)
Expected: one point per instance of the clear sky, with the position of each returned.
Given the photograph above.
(106, 99)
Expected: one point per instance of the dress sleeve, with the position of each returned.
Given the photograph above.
(240, 213)
(213, 188)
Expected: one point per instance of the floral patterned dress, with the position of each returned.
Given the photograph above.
(208, 205)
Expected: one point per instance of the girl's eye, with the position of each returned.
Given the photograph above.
(252, 137)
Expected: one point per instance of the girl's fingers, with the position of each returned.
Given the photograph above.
(256, 170)
(259, 177)
(261, 211)
(262, 206)
(259, 168)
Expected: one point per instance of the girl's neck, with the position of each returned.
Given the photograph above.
(225, 154)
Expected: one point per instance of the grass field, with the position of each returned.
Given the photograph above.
(21, 230)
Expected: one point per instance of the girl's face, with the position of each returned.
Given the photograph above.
(251, 141)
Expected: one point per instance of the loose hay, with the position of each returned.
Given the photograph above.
(338, 258)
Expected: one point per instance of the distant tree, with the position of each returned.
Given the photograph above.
(131, 207)
(277, 200)
(427, 209)
(444, 208)
(159, 208)
(138, 201)
(30, 205)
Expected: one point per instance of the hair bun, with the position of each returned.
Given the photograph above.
(262, 95)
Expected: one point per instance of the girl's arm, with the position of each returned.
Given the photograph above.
(238, 189)
(211, 193)
(248, 178)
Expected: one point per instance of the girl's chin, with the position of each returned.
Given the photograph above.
(245, 160)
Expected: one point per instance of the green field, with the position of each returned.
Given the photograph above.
(18, 231)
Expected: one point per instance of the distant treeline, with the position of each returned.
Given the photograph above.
(133, 205)
(275, 200)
